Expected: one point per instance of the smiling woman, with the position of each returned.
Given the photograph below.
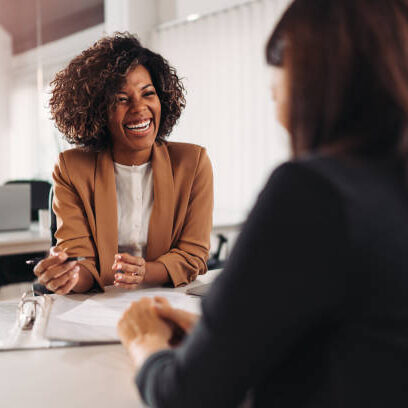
(135, 120)
(136, 207)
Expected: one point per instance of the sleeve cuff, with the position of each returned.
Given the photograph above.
(145, 377)
(182, 269)
(177, 278)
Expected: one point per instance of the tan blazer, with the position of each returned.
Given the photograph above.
(179, 231)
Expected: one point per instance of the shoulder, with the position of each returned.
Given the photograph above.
(318, 171)
(348, 176)
(301, 185)
(297, 172)
(187, 155)
(184, 151)
(77, 157)
(73, 162)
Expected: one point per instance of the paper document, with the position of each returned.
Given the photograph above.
(106, 312)
(94, 318)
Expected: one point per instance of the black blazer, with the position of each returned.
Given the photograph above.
(312, 308)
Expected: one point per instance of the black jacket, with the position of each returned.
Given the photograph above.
(312, 308)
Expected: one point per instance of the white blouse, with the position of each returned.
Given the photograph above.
(134, 190)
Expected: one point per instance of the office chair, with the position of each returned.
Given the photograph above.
(39, 195)
(13, 268)
(53, 218)
(38, 288)
(215, 262)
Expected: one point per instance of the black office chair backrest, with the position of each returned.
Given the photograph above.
(214, 262)
(38, 288)
(40, 190)
(53, 218)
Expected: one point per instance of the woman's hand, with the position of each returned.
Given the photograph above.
(55, 274)
(180, 321)
(185, 320)
(142, 331)
(133, 271)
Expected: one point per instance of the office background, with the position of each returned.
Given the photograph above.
(217, 46)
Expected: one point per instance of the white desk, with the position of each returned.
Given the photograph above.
(24, 241)
(97, 376)
(80, 377)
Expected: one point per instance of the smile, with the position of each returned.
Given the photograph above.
(138, 127)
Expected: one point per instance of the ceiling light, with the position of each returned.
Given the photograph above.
(193, 17)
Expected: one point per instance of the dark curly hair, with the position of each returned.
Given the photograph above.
(84, 92)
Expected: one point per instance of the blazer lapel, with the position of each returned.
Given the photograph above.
(162, 216)
(106, 214)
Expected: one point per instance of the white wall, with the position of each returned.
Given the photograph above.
(229, 109)
(221, 58)
(54, 55)
(35, 142)
(136, 16)
(5, 76)
(166, 10)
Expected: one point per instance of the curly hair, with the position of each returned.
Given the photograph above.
(84, 92)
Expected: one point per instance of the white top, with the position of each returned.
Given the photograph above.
(134, 190)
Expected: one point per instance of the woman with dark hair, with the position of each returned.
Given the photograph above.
(325, 322)
(135, 207)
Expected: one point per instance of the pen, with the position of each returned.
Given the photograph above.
(35, 261)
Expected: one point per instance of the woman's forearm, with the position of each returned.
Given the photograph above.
(156, 273)
(85, 281)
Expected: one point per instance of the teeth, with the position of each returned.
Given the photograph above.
(140, 126)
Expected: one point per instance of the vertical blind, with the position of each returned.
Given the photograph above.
(221, 58)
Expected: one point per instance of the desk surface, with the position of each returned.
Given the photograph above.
(97, 376)
(24, 241)
(80, 377)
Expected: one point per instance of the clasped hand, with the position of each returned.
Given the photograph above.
(129, 271)
(150, 325)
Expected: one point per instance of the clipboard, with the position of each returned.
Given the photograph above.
(29, 317)
(24, 323)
